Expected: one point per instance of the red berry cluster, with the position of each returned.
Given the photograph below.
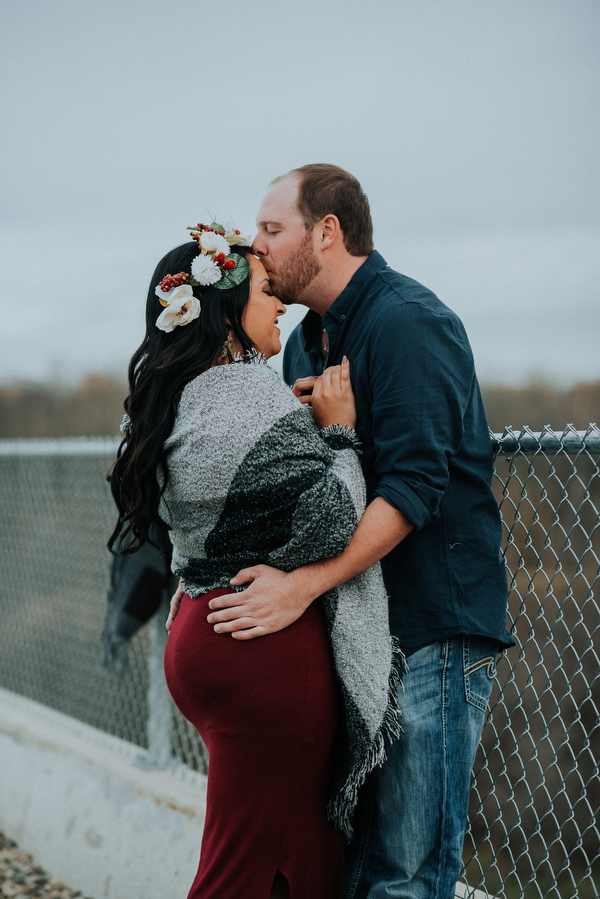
(223, 262)
(171, 281)
(200, 228)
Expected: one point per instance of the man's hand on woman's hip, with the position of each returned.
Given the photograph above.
(273, 601)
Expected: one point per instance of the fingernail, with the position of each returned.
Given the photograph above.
(210, 619)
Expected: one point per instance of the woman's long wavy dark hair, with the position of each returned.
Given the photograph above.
(159, 370)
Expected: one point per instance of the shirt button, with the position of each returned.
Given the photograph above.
(342, 317)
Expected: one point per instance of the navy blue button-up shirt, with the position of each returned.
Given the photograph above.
(426, 449)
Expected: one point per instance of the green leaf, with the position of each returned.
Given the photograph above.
(216, 227)
(236, 275)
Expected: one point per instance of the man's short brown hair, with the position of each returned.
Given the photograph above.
(326, 189)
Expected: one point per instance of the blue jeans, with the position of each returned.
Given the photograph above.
(411, 819)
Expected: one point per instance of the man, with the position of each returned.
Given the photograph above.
(431, 518)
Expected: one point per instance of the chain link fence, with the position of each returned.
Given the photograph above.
(533, 828)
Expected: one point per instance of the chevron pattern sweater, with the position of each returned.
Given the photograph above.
(252, 480)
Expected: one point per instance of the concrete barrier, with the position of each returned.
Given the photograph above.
(75, 798)
(82, 803)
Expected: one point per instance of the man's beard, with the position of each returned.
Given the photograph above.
(302, 268)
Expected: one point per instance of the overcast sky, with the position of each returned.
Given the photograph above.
(473, 126)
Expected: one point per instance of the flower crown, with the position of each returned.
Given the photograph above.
(215, 266)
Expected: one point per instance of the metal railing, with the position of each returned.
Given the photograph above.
(532, 826)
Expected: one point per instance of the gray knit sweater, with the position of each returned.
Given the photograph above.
(252, 480)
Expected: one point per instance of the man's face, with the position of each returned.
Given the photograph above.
(283, 243)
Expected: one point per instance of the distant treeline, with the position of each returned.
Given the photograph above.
(538, 404)
(95, 407)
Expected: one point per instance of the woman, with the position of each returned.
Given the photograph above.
(222, 454)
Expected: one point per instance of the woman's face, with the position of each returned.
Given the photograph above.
(263, 309)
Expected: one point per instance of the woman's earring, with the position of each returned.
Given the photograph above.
(227, 351)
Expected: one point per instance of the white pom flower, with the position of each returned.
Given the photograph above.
(183, 307)
(214, 243)
(205, 271)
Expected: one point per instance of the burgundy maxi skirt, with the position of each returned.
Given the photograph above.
(267, 712)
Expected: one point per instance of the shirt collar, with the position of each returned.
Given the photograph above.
(373, 263)
(312, 321)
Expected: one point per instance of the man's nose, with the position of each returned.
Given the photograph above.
(258, 248)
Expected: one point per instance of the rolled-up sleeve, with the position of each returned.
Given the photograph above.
(422, 375)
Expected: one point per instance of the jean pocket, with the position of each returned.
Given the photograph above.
(479, 669)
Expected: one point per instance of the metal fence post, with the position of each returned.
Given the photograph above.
(160, 704)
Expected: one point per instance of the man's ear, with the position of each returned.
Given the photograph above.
(328, 231)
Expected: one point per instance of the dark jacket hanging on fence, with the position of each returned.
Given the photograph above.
(138, 583)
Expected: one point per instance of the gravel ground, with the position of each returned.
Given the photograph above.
(20, 876)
